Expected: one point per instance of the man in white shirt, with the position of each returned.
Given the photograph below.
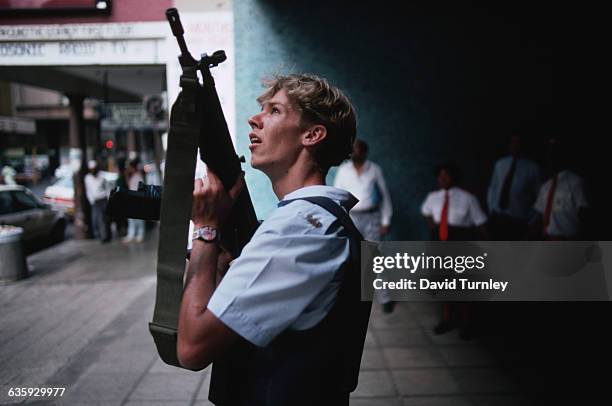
(512, 191)
(364, 179)
(281, 301)
(454, 214)
(372, 215)
(562, 201)
(96, 190)
(567, 199)
(451, 212)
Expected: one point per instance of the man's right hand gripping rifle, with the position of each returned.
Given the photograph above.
(196, 120)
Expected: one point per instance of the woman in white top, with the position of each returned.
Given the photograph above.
(136, 227)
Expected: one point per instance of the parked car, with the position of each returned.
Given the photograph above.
(60, 194)
(20, 207)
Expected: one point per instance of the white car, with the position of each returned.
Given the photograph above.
(19, 207)
(60, 195)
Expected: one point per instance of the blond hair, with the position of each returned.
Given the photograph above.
(319, 103)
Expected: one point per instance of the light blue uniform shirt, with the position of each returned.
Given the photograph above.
(287, 275)
(523, 190)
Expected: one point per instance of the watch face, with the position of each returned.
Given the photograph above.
(209, 234)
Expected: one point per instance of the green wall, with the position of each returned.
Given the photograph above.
(430, 83)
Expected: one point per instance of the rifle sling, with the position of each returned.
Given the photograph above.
(175, 214)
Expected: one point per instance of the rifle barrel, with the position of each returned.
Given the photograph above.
(177, 30)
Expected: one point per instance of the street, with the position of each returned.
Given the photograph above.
(442, 125)
(80, 322)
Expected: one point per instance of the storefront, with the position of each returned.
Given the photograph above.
(116, 56)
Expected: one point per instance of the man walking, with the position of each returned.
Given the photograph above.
(372, 215)
(513, 189)
(96, 190)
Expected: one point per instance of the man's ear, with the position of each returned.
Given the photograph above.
(314, 136)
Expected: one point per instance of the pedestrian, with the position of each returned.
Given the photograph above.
(136, 227)
(372, 215)
(97, 190)
(283, 305)
(562, 204)
(454, 214)
(8, 175)
(512, 191)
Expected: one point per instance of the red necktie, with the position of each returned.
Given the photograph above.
(549, 203)
(443, 229)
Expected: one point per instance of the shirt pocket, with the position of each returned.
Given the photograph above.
(563, 202)
(459, 215)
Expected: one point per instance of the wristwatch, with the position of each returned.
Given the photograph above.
(206, 234)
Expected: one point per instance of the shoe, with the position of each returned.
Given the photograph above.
(443, 327)
(105, 241)
(139, 240)
(126, 240)
(388, 307)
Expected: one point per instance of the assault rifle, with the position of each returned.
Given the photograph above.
(196, 120)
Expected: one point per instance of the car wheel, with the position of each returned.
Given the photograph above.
(59, 231)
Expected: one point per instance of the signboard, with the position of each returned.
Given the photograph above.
(14, 7)
(125, 52)
(17, 125)
(50, 32)
(129, 116)
(83, 44)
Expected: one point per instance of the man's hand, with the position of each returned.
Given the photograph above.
(202, 337)
(211, 203)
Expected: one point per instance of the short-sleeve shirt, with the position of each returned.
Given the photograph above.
(96, 187)
(463, 208)
(287, 275)
(523, 189)
(568, 199)
(369, 187)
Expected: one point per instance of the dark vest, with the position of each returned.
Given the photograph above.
(318, 366)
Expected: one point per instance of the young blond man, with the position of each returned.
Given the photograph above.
(285, 324)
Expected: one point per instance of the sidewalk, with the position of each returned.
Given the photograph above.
(81, 322)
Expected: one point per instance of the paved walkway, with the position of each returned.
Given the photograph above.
(80, 322)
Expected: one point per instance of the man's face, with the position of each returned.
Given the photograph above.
(359, 154)
(445, 180)
(555, 154)
(276, 135)
(515, 145)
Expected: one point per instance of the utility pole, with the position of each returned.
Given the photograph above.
(78, 164)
